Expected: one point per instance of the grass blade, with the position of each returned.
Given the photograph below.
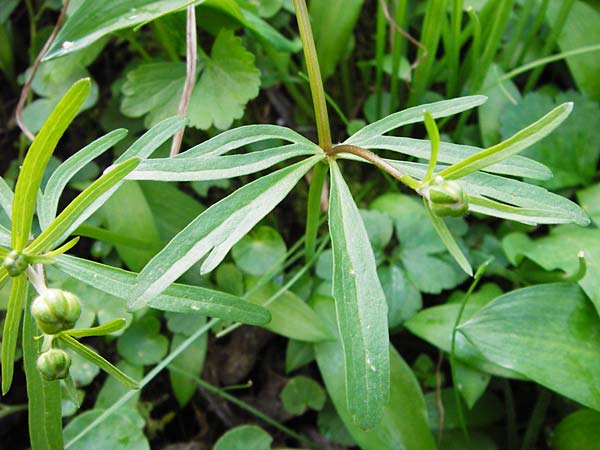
(37, 158)
(361, 308)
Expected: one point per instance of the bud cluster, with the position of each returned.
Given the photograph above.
(446, 198)
(55, 311)
(15, 263)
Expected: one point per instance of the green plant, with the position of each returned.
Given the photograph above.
(374, 391)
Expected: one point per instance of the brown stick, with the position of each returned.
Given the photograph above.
(190, 78)
(34, 68)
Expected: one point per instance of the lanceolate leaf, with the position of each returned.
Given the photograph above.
(176, 298)
(241, 136)
(37, 157)
(513, 145)
(452, 153)
(216, 230)
(6, 197)
(63, 174)
(549, 333)
(404, 422)
(443, 108)
(361, 308)
(217, 168)
(11, 329)
(81, 208)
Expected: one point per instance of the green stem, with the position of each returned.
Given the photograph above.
(536, 421)
(379, 53)
(313, 211)
(314, 75)
(532, 34)
(453, 55)
(246, 407)
(517, 36)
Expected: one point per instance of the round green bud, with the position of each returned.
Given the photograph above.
(54, 364)
(15, 263)
(447, 198)
(56, 310)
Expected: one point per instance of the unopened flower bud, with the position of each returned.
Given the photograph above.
(15, 263)
(56, 310)
(447, 198)
(54, 364)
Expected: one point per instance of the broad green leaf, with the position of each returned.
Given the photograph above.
(217, 168)
(36, 159)
(239, 137)
(142, 343)
(437, 110)
(361, 308)
(164, 80)
(435, 325)
(403, 298)
(332, 427)
(300, 393)
(580, 29)
(228, 81)
(511, 146)
(127, 212)
(112, 390)
(45, 424)
(119, 431)
(85, 352)
(81, 208)
(550, 333)
(216, 230)
(589, 199)
(577, 431)
(298, 354)
(487, 411)
(560, 250)
(453, 153)
(259, 250)
(191, 360)
(444, 233)
(177, 298)
(333, 25)
(82, 371)
(93, 19)
(245, 437)
(10, 333)
(290, 315)
(379, 228)
(404, 422)
(471, 383)
(68, 169)
(573, 150)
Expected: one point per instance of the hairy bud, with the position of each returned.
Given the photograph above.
(54, 364)
(56, 310)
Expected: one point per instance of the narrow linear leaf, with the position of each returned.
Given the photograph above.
(44, 397)
(153, 138)
(217, 168)
(102, 330)
(37, 158)
(444, 233)
(513, 145)
(443, 108)
(11, 329)
(241, 136)
(176, 298)
(361, 308)
(529, 216)
(96, 359)
(518, 166)
(63, 174)
(81, 208)
(216, 230)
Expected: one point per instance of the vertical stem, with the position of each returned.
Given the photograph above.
(531, 35)
(517, 36)
(379, 54)
(314, 74)
(190, 79)
(536, 421)
(454, 49)
(398, 47)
